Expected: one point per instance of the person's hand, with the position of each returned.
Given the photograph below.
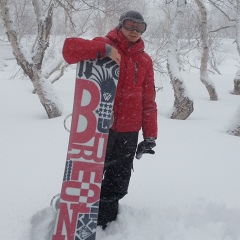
(113, 53)
(145, 147)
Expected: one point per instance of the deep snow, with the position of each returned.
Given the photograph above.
(188, 190)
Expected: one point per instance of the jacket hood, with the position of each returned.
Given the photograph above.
(117, 37)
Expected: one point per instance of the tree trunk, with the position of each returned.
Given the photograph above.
(236, 81)
(183, 105)
(205, 53)
(236, 89)
(235, 126)
(32, 66)
(47, 95)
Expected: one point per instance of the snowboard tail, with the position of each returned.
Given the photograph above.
(95, 88)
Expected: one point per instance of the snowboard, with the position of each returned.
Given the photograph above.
(95, 88)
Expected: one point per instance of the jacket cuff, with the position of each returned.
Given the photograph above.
(108, 50)
(150, 138)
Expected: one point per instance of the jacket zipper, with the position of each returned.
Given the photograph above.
(136, 72)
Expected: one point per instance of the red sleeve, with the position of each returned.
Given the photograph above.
(149, 125)
(78, 49)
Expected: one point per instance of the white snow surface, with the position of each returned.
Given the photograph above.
(188, 190)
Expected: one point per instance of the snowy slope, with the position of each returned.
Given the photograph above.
(189, 190)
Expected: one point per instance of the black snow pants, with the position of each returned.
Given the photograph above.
(118, 166)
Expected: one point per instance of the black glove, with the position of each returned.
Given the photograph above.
(145, 147)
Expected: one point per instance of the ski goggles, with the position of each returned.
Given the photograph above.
(130, 25)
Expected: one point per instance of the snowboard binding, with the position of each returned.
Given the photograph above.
(55, 203)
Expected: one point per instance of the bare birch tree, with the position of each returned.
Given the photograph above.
(31, 62)
(234, 5)
(73, 11)
(183, 105)
(234, 129)
(235, 126)
(236, 89)
(205, 52)
(108, 15)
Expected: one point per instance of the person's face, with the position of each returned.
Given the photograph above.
(132, 36)
(132, 30)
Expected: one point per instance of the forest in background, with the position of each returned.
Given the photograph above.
(181, 36)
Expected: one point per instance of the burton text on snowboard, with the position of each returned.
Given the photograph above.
(95, 87)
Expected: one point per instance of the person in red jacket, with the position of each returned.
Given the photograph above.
(134, 107)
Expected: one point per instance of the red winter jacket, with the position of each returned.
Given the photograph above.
(134, 106)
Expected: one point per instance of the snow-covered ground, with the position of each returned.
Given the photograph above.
(188, 190)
